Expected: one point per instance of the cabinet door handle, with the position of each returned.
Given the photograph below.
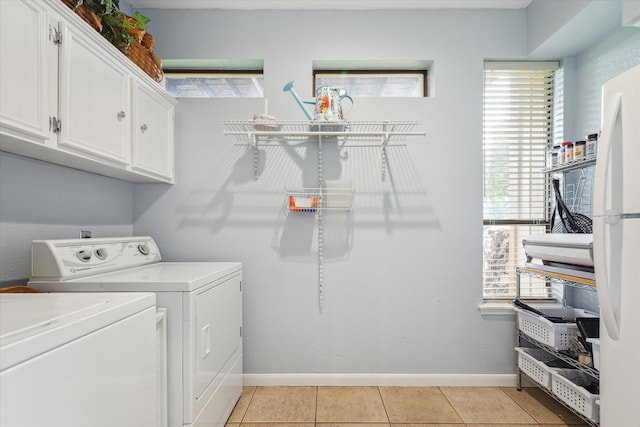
(122, 115)
(143, 128)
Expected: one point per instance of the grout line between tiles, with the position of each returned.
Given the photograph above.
(452, 405)
(315, 414)
(244, 414)
(383, 405)
(522, 407)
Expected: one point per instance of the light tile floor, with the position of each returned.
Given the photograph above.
(398, 407)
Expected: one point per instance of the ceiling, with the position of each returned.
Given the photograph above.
(330, 4)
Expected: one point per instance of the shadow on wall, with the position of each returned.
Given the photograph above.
(228, 197)
(211, 202)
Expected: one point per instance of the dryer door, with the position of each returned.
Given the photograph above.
(218, 314)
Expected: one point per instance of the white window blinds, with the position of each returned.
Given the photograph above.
(517, 131)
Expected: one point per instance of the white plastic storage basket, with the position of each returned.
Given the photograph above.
(595, 351)
(531, 361)
(564, 384)
(555, 335)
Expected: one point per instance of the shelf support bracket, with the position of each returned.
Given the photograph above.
(384, 138)
(320, 219)
(256, 156)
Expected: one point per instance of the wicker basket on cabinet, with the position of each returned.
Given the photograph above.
(91, 18)
(146, 60)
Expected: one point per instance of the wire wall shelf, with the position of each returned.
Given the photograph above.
(389, 131)
(261, 130)
(332, 195)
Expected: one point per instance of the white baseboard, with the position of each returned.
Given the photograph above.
(417, 380)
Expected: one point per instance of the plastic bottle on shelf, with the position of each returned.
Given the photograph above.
(568, 151)
(552, 156)
(579, 150)
(591, 145)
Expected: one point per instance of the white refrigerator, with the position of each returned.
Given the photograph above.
(616, 241)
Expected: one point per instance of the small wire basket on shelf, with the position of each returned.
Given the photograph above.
(303, 201)
(330, 198)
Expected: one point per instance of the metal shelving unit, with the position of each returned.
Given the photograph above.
(256, 132)
(576, 413)
(578, 202)
(577, 183)
(561, 279)
(564, 280)
(575, 164)
(559, 355)
(320, 200)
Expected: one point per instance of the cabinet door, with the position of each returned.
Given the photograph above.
(24, 67)
(153, 118)
(94, 100)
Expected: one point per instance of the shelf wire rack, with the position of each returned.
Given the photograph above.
(320, 200)
(246, 130)
(259, 131)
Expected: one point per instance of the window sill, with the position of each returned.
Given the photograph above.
(495, 308)
(505, 308)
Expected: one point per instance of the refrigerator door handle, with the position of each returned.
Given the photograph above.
(604, 216)
(603, 165)
(601, 268)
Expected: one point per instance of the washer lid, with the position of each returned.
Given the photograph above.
(159, 277)
(31, 324)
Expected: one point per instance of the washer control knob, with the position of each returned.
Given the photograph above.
(101, 253)
(143, 248)
(84, 255)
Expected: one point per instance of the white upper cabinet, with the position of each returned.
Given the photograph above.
(69, 97)
(94, 99)
(153, 119)
(24, 68)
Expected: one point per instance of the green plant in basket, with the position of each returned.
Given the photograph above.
(117, 27)
(141, 20)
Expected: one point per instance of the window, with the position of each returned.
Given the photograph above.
(375, 83)
(214, 78)
(517, 131)
(374, 78)
(213, 84)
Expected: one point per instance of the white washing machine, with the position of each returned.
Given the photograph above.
(78, 360)
(203, 302)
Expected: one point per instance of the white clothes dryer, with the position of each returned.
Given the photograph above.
(78, 360)
(203, 302)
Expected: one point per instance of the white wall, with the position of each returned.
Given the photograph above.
(630, 12)
(547, 18)
(40, 200)
(594, 66)
(565, 28)
(403, 272)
